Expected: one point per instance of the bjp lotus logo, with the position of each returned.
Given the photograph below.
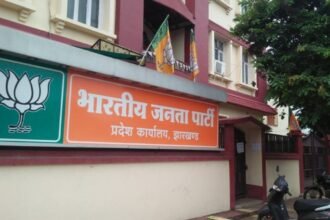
(22, 95)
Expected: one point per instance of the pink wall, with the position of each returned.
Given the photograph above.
(230, 150)
(201, 14)
(262, 87)
(129, 24)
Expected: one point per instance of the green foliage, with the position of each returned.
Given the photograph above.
(291, 42)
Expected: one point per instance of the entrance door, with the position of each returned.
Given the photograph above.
(240, 164)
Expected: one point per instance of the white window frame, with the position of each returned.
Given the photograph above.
(88, 12)
(106, 21)
(243, 9)
(220, 51)
(222, 67)
(245, 67)
(220, 54)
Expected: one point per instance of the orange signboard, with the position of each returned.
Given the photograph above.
(102, 112)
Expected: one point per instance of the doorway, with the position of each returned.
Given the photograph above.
(240, 163)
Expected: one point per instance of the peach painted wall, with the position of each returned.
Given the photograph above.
(148, 191)
(289, 168)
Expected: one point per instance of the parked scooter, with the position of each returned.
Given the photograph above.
(320, 188)
(306, 209)
(276, 208)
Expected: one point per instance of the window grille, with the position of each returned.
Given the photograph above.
(280, 144)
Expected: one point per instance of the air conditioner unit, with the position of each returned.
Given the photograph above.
(220, 67)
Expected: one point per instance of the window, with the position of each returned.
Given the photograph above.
(93, 17)
(272, 120)
(219, 67)
(245, 68)
(244, 8)
(84, 11)
(218, 50)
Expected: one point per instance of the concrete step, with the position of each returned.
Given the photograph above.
(248, 203)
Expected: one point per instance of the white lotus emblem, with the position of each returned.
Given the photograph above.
(22, 95)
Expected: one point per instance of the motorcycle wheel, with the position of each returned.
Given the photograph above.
(265, 217)
(313, 193)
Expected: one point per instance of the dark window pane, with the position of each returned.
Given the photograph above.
(245, 57)
(218, 45)
(244, 9)
(82, 11)
(95, 13)
(246, 73)
(70, 9)
(279, 144)
(221, 138)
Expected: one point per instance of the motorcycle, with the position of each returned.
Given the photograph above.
(320, 188)
(306, 209)
(276, 208)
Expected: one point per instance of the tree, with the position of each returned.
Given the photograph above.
(291, 44)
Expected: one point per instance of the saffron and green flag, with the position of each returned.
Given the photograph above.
(293, 122)
(193, 55)
(163, 49)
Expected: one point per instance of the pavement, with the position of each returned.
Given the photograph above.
(247, 209)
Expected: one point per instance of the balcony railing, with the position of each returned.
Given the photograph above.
(178, 65)
(280, 144)
(105, 46)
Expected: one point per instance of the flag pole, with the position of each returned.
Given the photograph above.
(144, 55)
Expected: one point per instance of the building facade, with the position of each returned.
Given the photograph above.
(86, 135)
(280, 140)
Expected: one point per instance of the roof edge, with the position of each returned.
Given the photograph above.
(240, 120)
(29, 45)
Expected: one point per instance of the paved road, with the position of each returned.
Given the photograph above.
(255, 217)
(289, 203)
(248, 210)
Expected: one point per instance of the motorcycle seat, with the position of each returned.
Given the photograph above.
(305, 205)
(327, 180)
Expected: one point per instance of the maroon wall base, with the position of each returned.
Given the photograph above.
(256, 192)
(56, 156)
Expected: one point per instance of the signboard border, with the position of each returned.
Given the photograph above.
(71, 75)
(60, 128)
